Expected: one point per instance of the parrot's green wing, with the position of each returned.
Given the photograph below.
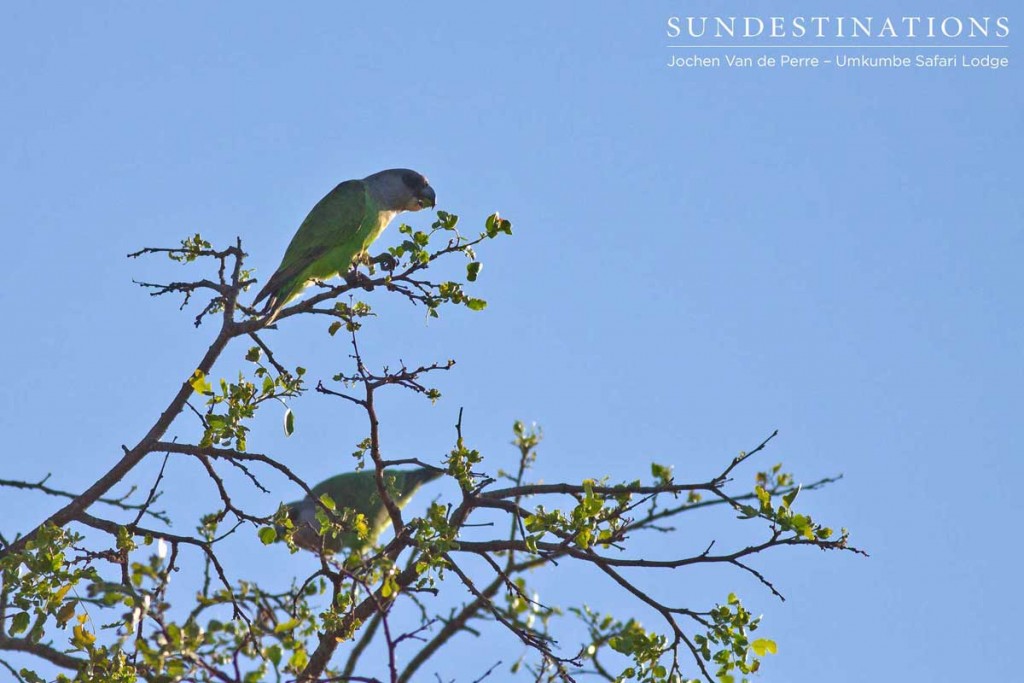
(357, 491)
(402, 484)
(325, 244)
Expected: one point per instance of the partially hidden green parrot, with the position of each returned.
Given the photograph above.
(340, 228)
(358, 492)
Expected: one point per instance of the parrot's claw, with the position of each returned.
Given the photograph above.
(386, 261)
(355, 278)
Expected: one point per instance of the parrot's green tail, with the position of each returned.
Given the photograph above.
(277, 293)
(423, 475)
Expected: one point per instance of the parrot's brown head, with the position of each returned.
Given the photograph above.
(422, 193)
(401, 189)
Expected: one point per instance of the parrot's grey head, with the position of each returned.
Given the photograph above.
(401, 189)
(303, 516)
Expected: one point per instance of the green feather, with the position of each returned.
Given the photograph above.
(357, 492)
(339, 227)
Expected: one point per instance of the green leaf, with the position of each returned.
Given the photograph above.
(81, 638)
(661, 472)
(328, 502)
(289, 422)
(476, 304)
(58, 597)
(66, 611)
(360, 526)
(289, 625)
(747, 512)
(790, 497)
(335, 326)
(19, 623)
(268, 535)
(473, 270)
(199, 382)
(390, 587)
(531, 542)
(496, 224)
(298, 660)
(763, 646)
(763, 496)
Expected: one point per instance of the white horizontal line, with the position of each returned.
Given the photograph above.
(843, 47)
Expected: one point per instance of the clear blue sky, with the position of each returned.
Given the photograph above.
(700, 257)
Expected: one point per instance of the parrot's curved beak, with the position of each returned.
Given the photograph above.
(427, 198)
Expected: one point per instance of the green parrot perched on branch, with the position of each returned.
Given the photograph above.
(358, 492)
(340, 228)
